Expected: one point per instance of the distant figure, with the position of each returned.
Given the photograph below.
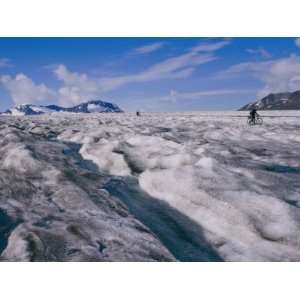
(138, 113)
(253, 114)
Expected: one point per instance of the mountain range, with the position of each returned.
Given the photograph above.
(86, 107)
(277, 101)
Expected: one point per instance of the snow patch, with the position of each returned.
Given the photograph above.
(95, 108)
(103, 155)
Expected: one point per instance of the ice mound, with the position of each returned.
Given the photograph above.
(16, 156)
(241, 225)
(147, 152)
(20, 159)
(99, 150)
(103, 155)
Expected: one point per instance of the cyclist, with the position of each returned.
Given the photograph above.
(253, 114)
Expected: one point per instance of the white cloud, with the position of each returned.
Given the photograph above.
(279, 75)
(78, 87)
(261, 51)
(173, 68)
(209, 47)
(297, 42)
(149, 48)
(174, 96)
(23, 90)
(180, 66)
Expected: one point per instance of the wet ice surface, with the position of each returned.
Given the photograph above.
(206, 186)
(52, 207)
(182, 236)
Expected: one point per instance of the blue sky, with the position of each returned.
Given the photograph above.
(150, 74)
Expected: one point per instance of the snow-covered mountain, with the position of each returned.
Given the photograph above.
(94, 106)
(27, 109)
(279, 101)
(87, 107)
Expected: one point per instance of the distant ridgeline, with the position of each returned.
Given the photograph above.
(86, 107)
(279, 101)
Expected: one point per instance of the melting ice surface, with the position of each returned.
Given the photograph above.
(239, 183)
(234, 187)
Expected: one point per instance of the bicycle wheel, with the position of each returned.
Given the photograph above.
(259, 121)
(250, 122)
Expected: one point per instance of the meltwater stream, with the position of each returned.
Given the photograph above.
(178, 233)
(182, 236)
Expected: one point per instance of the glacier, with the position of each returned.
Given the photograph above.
(195, 186)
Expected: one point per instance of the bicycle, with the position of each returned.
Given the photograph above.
(256, 121)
